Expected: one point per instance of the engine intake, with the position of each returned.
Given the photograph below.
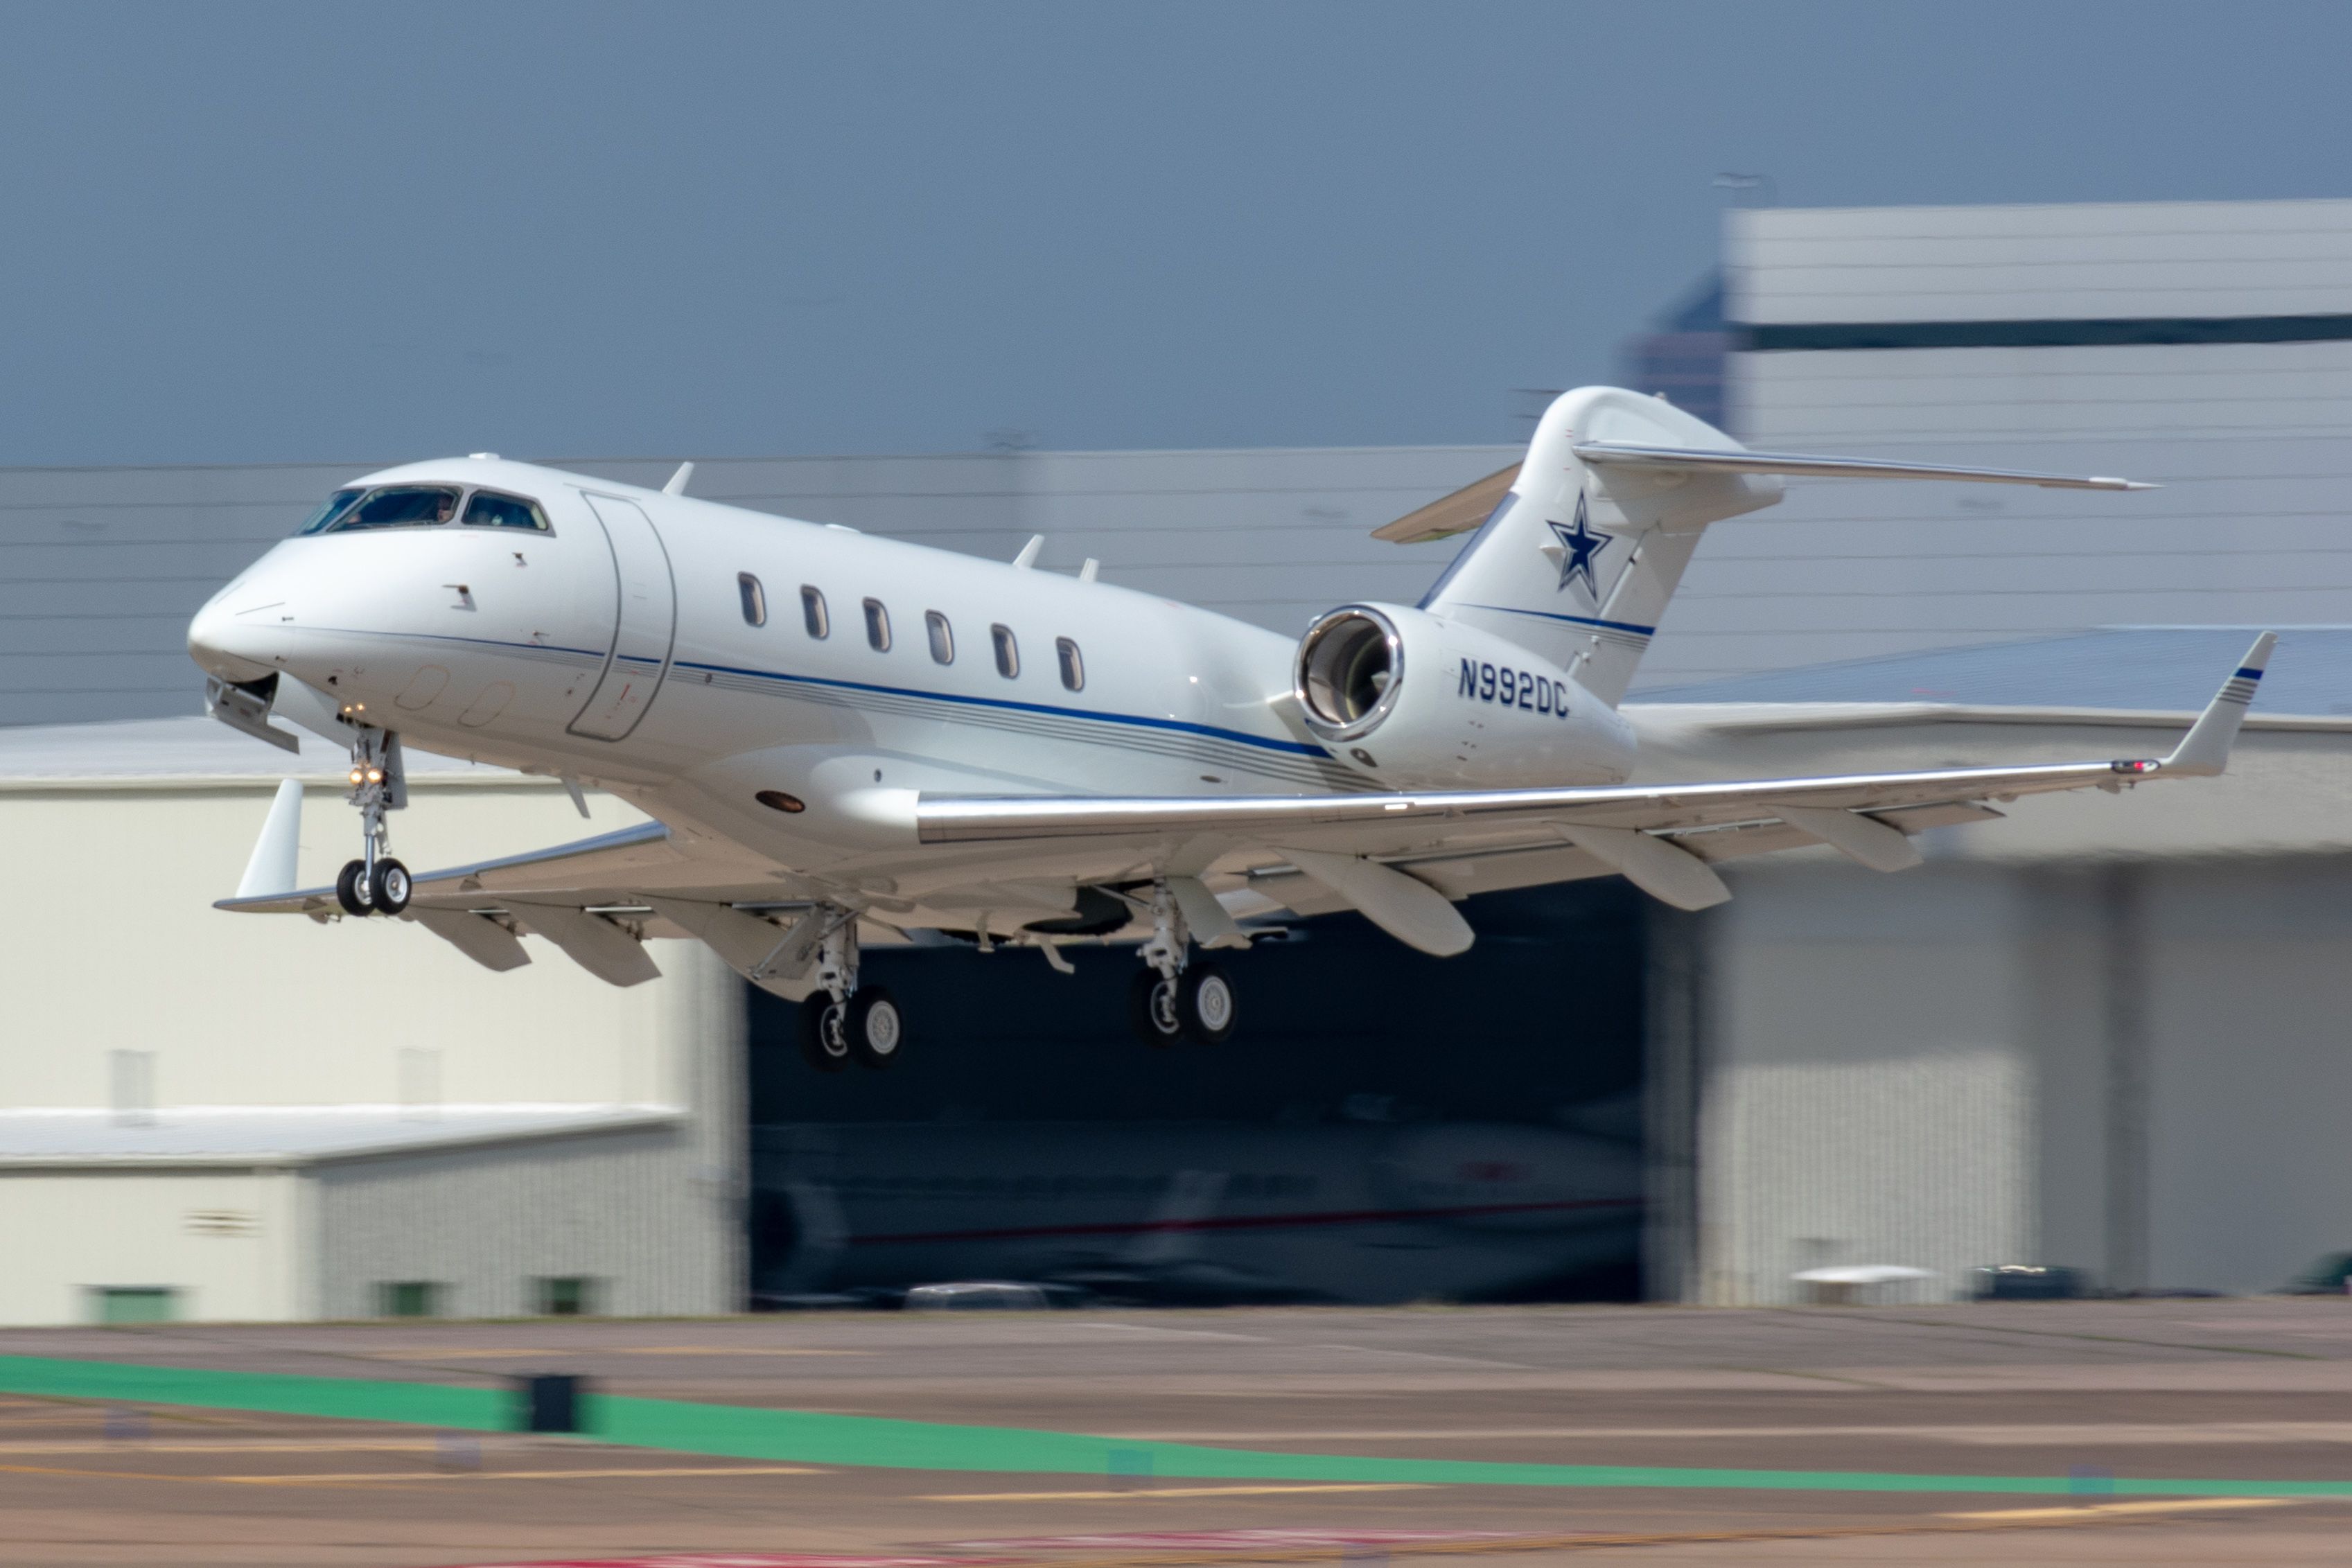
(1350, 669)
(1417, 700)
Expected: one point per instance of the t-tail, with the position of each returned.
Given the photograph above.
(1586, 540)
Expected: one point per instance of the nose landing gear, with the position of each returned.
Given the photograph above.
(375, 883)
(847, 1022)
(1173, 999)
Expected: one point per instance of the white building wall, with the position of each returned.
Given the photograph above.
(2249, 1012)
(2248, 439)
(109, 904)
(229, 1241)
(635, 1212)
(1868, 1095)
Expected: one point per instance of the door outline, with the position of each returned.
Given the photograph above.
(605, 691)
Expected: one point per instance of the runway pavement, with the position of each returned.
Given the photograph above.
(2155, 1432)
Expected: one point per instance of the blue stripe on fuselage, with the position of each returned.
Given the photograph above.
(1137, 721)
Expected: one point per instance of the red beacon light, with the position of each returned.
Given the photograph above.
(2137, 765)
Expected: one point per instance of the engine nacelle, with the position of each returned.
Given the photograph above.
(1417, 701)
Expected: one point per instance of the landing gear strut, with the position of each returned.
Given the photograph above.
(375, 883)
(1172, 997)
(842, 1021)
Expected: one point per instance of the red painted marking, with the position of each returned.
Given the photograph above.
(746, 1560)
(1234, 1540)
(1250, 1221)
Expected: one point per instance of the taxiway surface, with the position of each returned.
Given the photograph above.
(2081, 1399)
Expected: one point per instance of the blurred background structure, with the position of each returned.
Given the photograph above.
(2105, 1035)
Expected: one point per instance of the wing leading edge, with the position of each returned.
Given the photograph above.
(1632, 830)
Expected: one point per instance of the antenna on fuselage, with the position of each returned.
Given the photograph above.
(1028, 556)
(677, 485)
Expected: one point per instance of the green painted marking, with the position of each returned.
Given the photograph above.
(801, 1437)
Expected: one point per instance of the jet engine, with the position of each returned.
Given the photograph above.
(1417, 701)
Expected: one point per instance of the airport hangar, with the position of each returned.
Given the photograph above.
(2107, 1034)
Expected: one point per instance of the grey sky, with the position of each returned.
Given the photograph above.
(243, 231)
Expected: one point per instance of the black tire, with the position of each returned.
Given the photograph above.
(822, 1044)
(389, 888)
(351, 889)
(1152, 1010)
(1205, 1004)
(874, 1027)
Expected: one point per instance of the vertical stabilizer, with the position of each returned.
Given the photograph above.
(1577, 562)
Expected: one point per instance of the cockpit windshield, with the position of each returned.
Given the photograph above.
(400, 507)
(421, 506)
(333, 507)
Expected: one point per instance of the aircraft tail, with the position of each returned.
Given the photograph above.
(1589, 534)
(1577, 558)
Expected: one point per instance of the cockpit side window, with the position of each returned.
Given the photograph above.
(333, 507)
(489, 509)
(398, 506)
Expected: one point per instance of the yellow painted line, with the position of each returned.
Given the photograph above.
(479, 1353)
(1132, 1494)
(364, 1476)
(2115, 1510)
(133, 1446)
(368, 1476)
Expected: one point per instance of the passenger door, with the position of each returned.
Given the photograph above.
(644, 622)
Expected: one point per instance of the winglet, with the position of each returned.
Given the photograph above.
(2204, 751)
(270, 872)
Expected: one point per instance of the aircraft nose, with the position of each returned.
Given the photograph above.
(230, 645)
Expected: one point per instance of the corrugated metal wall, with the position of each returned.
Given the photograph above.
(654, 1217)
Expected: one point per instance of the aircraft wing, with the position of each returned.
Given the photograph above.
(609, 862)
(1370, 850)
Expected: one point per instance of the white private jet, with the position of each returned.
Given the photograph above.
(845, 740)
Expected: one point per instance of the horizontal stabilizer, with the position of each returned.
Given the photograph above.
(1455, 514)
(1620, 454)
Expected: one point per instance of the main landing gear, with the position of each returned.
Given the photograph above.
(1173, 999)
(375, 883)
(842, 1021)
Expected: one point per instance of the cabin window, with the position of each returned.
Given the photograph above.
(395, 507)
(813, 615)
(942, 637)
(754, 597)
(1074, 668)
(1008, 651)
(877, 626)
(489, 509)
(333, 507)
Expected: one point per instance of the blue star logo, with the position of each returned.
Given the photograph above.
(1577, 546)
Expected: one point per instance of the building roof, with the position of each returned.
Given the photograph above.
(292, 1135)
(194, 750)
(2138, 668)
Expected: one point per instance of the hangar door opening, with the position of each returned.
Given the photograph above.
(1383, 1127)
